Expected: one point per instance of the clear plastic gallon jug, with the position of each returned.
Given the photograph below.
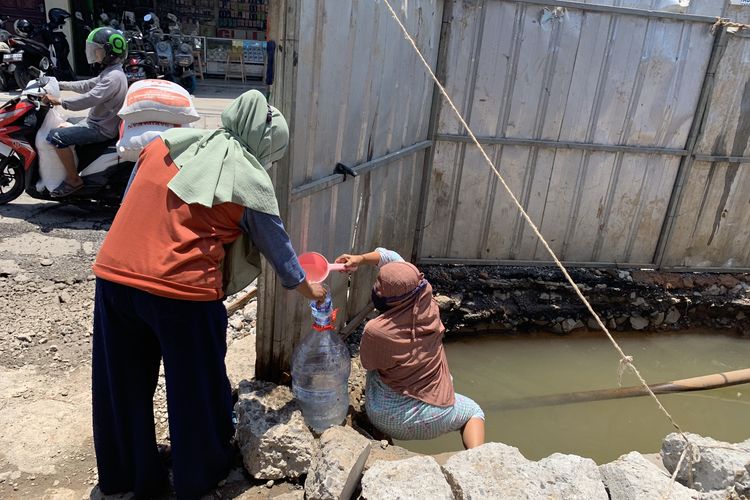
(320, 371)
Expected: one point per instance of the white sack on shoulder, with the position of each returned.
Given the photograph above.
(158, 101)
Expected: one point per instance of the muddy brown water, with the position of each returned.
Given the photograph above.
(491, 369)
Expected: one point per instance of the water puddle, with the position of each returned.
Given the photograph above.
(492, 369)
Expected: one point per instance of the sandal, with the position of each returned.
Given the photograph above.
(65, 189)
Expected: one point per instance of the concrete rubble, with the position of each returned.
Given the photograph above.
(337, 466)
(417, 477)
(342, 463)
(633, 477)
(496, 470)
(271, 433)
(384, 452)
(719, 465)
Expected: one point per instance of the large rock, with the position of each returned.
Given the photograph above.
(718, 466)
(418, 477)
(337, 466)
(633, 477)
(271, 433)
(574, 477)
(496, 470)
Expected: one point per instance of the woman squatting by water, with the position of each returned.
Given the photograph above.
(409, 393)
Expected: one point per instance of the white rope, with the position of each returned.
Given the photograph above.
(625, 360)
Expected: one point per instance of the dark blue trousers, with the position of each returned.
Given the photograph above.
(133, 330)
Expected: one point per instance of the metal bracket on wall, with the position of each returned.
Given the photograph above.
(345, 170)
(328, 181)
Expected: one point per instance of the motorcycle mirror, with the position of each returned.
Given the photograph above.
(79, 16)
(147, 18)
(172, 17)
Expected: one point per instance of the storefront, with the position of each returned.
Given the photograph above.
(233, 32)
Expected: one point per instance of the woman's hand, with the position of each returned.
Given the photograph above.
(351, 262)
(312, 291)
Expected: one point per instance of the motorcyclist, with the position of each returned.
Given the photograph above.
(104, 94)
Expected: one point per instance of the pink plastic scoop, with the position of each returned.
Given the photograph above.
(317, 266)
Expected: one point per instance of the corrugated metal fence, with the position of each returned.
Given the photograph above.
(585, 112)
(619, 124)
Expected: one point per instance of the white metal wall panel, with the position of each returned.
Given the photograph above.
(587, 77)
(711, 226)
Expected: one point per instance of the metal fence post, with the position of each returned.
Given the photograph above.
(696, 129)
(285, 30)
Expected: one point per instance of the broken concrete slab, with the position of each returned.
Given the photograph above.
(337, 466)
(633, 477)
(417, 477)
(718, 466)
(272, 435)
(496, 470)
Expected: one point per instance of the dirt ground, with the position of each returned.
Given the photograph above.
(46, 306)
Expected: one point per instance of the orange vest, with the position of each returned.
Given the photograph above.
(162, 245)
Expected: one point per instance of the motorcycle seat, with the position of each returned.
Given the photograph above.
(88, 153)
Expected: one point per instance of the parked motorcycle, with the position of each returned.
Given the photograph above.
(26, 53)
(7, 81)
(48, 56)
(181, 69)
(104, 173)
(155, 41)
(184, 64)
(59, 48)
(140, 62)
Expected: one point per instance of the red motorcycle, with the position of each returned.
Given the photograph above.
(104, 172)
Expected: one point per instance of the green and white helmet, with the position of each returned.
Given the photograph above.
(106, 46)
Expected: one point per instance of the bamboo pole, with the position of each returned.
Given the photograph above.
(240, 302)
(702, 383)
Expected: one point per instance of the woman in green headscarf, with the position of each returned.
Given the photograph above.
(197, 197)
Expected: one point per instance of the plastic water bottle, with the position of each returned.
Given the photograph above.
(320, 371)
